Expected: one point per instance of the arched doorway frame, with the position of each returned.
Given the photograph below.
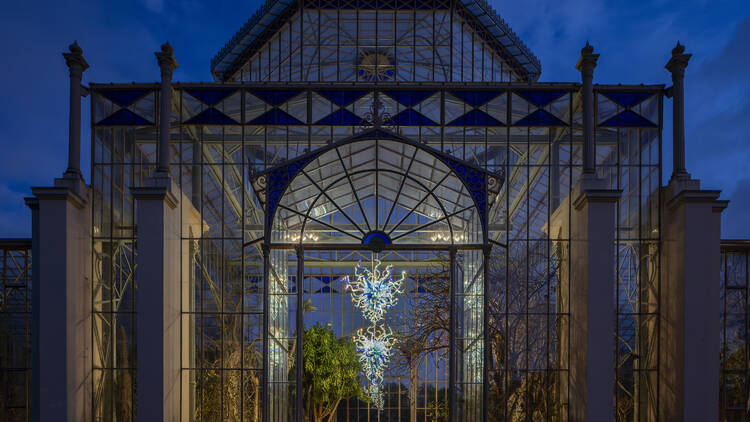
(271, 185)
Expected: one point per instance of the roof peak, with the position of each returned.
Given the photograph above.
(273, 13)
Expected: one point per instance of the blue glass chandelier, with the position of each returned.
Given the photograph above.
(374, 292)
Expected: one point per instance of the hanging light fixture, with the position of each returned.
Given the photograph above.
(374, 292)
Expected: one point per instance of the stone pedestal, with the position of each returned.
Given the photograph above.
(690, 305)
(61, 247)
(158, 279)
(586, 291)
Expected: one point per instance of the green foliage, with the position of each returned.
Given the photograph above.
(331, 368)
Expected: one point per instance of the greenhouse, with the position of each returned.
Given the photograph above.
(376, 212)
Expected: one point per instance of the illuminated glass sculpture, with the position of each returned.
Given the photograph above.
(374, 292)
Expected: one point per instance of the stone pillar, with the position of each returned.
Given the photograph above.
(690, 267)
(61, 305)
(591, 281)
(159, 277)
(676, 65)
(157, 303)
(592, 287)
(76, 65)
(586, 65)
(167, 65)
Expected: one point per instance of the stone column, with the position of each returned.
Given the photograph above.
(586, 65)
(61, 307)
(62, 304)
(690, 266)
(167, 65)
(159, 276)
(157, 299)
(76, 65)
(676, 65)
(591, 282)
(592, 306)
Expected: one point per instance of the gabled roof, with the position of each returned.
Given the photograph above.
(274, 13)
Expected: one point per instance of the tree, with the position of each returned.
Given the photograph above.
(331, 368)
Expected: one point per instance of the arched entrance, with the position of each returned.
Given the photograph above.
(374, 201)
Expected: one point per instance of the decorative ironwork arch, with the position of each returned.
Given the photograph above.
(475, 183)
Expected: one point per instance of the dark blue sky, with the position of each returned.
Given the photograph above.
(119, 38)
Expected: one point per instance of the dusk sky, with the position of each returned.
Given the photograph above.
(119, 39)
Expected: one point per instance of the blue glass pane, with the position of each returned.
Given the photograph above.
(210, 116)
(123, 97)
(275, 117)
(540, 118)
(211, 96)
(342, 98)
(627, 119)
(627, 99)
(275, 97)
(540, 98)
(341, 117)
(409, 98)
(410, 117)
(325, 279)
(124, 117)
(376, 235)
(476, 118)
(326, 289)
(476, 98)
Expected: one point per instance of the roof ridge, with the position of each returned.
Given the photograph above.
(241, 33)
(516, 40)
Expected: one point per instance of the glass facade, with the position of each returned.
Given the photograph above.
(339, 164)
(348, 133)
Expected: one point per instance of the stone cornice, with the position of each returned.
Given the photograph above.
(56, 193)
(155, 193)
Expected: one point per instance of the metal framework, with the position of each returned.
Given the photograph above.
(15, 329)
(397, 145)
(734, 404)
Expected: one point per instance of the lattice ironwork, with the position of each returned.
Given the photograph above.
(15, 329)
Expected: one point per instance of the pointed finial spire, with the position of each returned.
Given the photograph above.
(678, 49)
(588, 58)
(166, 59)
(167, 48)
(75, 48)
(587, 49)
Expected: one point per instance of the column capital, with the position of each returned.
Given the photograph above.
(166, 60)
(587, 61)
(678, 62)
(75, 61)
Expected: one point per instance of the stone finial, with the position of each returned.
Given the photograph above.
(166, 59)
(588, 59)
(678, 49)
(679, 60)
(74, 59)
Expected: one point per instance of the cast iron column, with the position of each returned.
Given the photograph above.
(586, 65)
(76, 65)
(676, 66)
(167, 64)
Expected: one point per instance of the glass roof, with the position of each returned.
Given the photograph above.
(324, 40)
